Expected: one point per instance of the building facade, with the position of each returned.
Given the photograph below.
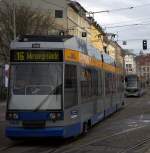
(71, 18)
(143, 67)
(130, 63)
(97, 35)
(116, 52)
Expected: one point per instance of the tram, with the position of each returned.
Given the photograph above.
(60, 86)
(133, 85)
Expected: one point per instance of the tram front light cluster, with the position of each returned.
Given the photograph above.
(12, 116)
(55, 116)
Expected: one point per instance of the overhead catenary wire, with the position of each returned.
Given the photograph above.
(53, 4)
(113, 10)
(127, 22)
(120, 26)
(128, 25)
(134, 39)
(120, 9)
(130, 28)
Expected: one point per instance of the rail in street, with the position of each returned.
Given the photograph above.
(126, 131)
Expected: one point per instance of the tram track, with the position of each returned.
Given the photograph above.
(85, 141)
(3, 149)
(143, 142)
(92, 141)
(40, 149)
(34, 146)
(70, 148)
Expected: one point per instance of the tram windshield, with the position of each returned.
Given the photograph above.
(36, 86)
(131, 81)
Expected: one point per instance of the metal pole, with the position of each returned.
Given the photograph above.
(14, 19)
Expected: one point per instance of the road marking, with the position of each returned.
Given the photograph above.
(97, 139)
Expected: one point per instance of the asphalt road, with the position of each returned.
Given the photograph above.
(127, 131)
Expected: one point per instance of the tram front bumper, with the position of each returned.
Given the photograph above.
(64, 132)
(131, 94)
(46, 132)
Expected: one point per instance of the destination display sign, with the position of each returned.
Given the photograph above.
(36, 56)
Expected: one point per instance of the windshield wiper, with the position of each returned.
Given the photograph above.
(56, 90)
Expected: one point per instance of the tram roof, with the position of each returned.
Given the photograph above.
(60, 42)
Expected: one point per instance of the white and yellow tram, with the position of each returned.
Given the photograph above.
(59, 87)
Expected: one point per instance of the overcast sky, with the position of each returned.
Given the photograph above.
(140, 14)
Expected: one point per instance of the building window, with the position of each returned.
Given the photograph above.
(58, 13)
(128, 65)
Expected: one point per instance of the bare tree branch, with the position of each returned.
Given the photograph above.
(28, 21)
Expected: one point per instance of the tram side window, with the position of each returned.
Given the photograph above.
(118, 84)
(70, 88)
(114, 83)
(89, 83)
(100, 83)
(108, 83)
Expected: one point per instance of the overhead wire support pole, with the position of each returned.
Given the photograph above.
(108, 11)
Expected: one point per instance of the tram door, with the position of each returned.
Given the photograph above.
(108, 90)
(112, 90)
(115, 95)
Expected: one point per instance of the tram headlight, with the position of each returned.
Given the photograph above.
(52, 116)
(55, 116)
(12, 116)
(15, 116)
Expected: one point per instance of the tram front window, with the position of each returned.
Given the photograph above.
(36, 86)
(132, 84)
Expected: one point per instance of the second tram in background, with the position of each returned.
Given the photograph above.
(133, 86)
(60, 87)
